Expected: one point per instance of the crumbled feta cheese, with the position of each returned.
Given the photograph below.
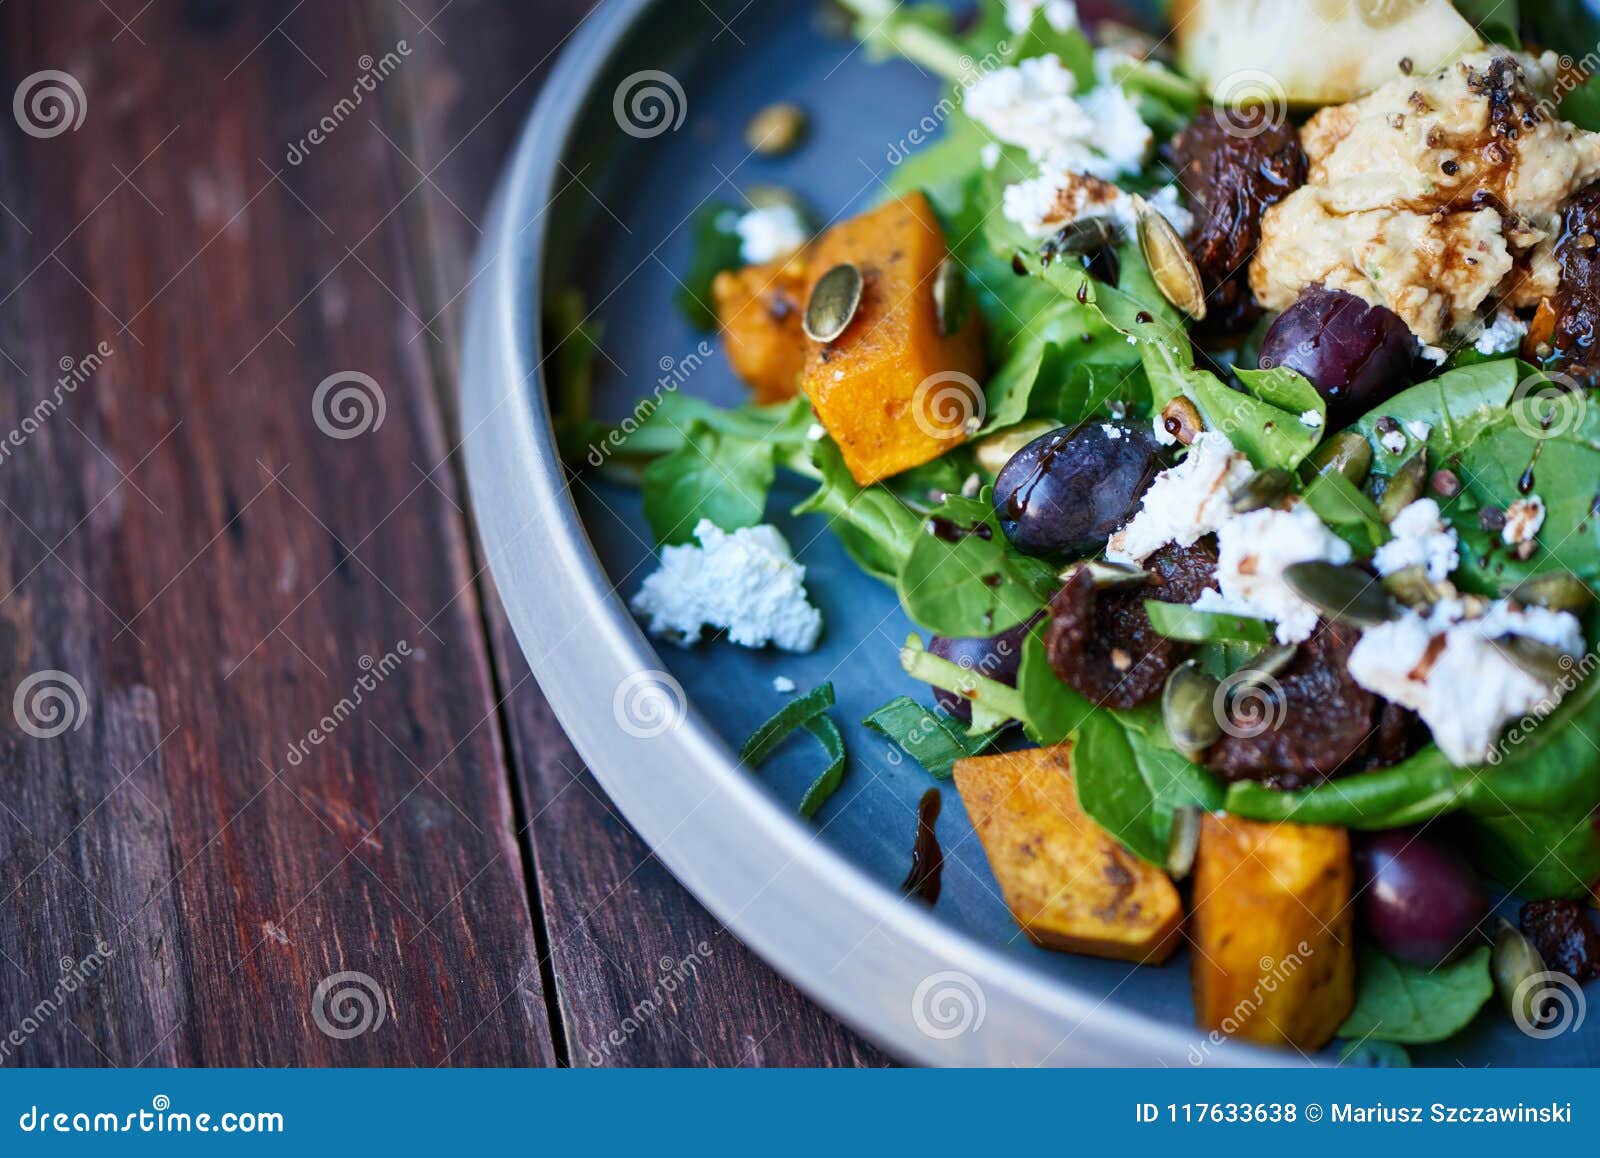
(747, 582)
(1435, 354)
(816, 432)
(990, 155)
(1062, 15)
(1394, 441)
(1523, 520)
(1311, 418)
(1501, 336)
(783, 685)
(1042, 205)
(1184, 503)
(1120, 135)
(1109, 61)
(1421, 538)
(1165, 437)
(1419, 430)
(770, 233)
(1446, 668)
(1252, 551)
(1114, 433)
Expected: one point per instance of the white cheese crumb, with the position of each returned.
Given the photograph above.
(1114, 433)
(1394, 441)
(1501, 336)
(1435, 354)
(747, 582)
(1420, 539)
(816, 432)
(1165, 437)
(1311, 418)
(1184, 503)
(1062, 15)
(1419, 430)
(768, 234)
(783, 685)
(1523, 520)
(1252, 551)
(1446, 668)
(990, 155)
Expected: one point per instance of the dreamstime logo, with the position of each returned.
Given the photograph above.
(649, 103)
(50, 103)
(75, 975)
(49, 703)
(1250, 102)
(948, 403)
(948, 1004)
(347, 1005)
(674, 373)
(1271, 973)
(1249, 703)
(649, 704)
(1548, 1005)
(1548, 405)
(348, 404)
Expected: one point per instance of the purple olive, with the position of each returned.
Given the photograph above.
(1066, 491)
(996, 658)
(1419, 899)
(1355, 354)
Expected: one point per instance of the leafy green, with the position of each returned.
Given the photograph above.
(715, 246)
(875, 527)
(968, 580)
(1375, 1055)
(783, 723)
(929, 737)
(1496, 20)
(721, 477)
(1182, 622)
(1348, 512)
(921, 33)
(826, 733)
(1403, 1003)
(574, 342)
(992, 702)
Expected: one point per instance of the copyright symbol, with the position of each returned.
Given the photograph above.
(1313, 1112)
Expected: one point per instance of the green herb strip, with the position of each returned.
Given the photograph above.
(824, 786)
(930, 738)
(793, 715)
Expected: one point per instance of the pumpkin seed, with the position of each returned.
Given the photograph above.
(1185, 842)
(1411, 586)
(1108, 576)
(950, 297)
(1079, 236)
(1514, 963)
(1181, 419)
(1404, 486)
(1544, 662)
(1189, 712)
(1346, 594)
(1347, 453)
(1268, 664)
(1557, 590)
(998, 449)
(776, 129)
(1170, 264)
(1262, 489)
(833, 303)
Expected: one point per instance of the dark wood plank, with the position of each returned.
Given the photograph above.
(645, 975)
(182, 539)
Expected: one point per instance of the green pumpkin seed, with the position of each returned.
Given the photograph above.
(1544, 662)
(776, 129)
(1267, 664)
(1184, 843)
(1181, 419)
(1080, 236)
(1346, 594)
(1404, 486)
(998, 449)
(1189, 711)
(1557, 590)
(950, 297)
(833, 303)
(1347, 453)
(1108, 576)
(1170, 264)
(1411, 586)
(1513, 963)
(1260, 490)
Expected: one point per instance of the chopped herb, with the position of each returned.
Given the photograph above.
(803, 712)
(930, 738)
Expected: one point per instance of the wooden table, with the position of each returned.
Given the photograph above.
(263, 726)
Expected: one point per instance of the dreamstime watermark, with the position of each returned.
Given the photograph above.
(648, 704)
(948, 1004)
(1249, 703)
(649, 103)
(1250, 102)
(972, 71)
(74, 976)
(674, 373)
(348, 404)
(1547, 1004)
(674, 976)
(947, 404)
(50, 103)
(1548, 404)
(50, 703)
(1273, 972)
(373, 74)
(74, 373)
(160, 1118)
(375, 672)
(1574, 670)
(349, 1004)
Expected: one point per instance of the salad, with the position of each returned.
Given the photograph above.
(1216, 399)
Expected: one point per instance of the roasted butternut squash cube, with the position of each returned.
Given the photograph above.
(759, 309)
(1068, 883)
(891, 390)
(1274, 958)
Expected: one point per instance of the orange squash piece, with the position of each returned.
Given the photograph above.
(760, 308)
(891, 390)
(1068, 883)
(1274, 957)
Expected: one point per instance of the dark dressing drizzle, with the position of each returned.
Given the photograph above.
(927, 858)
(952, 532)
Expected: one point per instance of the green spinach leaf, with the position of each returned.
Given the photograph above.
(963, 578)
(1402, 1003)
(876, 528)
(721, 477)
